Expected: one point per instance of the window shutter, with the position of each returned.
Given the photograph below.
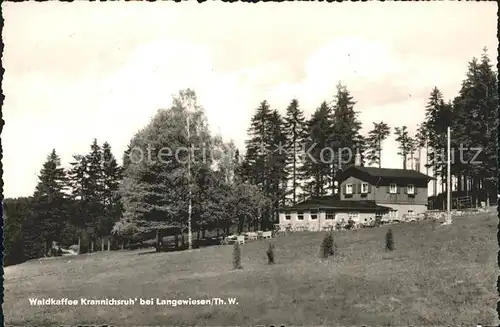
(344, 187)
(358, 186)
(406, 189)
(369, 188)
(415, 189)
(389, 189)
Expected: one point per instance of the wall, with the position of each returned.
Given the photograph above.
(382, 196)
(403, 208)
(356, 196)
(321, 222)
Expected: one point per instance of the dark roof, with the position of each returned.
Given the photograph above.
(386, 173)
(332, 202)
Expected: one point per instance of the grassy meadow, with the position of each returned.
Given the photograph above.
(437, 275)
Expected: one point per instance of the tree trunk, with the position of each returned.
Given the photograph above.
(198, 234)
(176, 240)
(379, 153)
(109, 243)
(123, 245)
(79, 244)
(102, 243)
(158, 241)
(92, 245)
(203, 233)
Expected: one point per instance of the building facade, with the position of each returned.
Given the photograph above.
(365, 194)
(326, 212)
(404, 191)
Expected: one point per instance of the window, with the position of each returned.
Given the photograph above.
(330, 216)
(410, 189)
(288, 217)
(393, 189)
(364, 188)
(314, 215)
(300, 215)
(348, 189)
(410, 212)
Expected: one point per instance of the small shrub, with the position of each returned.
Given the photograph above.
(270, 254)
(389, 240)
(237, 256)
(327, 246)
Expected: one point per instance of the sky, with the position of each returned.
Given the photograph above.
(78, 71)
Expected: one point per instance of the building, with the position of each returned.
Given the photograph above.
(365, 193)
(324, 212)
(404, 191)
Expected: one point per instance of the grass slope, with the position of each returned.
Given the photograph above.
(435, 276)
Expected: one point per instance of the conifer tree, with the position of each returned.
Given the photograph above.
(50, 205)
(295, 137)
(376, 136)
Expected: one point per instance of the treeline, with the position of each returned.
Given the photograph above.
(64, 205)
(290, 157)
(173, 174)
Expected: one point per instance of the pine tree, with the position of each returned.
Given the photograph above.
(78, 181)
(345, 137)
(346, 125)
(376, 136)
(265, 126)
(295, 137)
(278, 175)
(317, 159)
(432, 127)
(475, 126)
(327, 246)
(50, 200)
(406, 145)
(111, 178)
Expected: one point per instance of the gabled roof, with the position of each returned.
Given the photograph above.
(392, 173)
(332, 202)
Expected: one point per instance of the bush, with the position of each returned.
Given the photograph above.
(389, 240)
(270, 254)
(237, 256)
(327, 246)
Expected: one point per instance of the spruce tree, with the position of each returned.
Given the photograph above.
(406, 144)
(50, 205)
(327, 245)
(317, 159)
(376, 136)
(294, 127)
(111, 178)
